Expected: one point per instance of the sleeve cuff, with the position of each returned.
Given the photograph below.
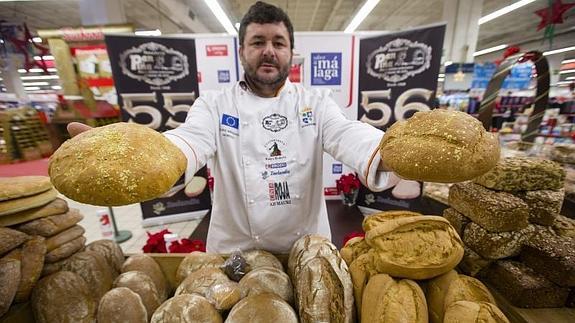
(188, 151)
(376, 180)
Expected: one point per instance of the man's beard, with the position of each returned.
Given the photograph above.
(283, 72)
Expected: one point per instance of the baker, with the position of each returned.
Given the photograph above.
(266, 137)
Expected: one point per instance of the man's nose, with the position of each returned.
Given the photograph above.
(269, 49)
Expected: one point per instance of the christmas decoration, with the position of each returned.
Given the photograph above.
(157, 244)
(348, 187)
(20, 41)
(551, 16)
(509, 51)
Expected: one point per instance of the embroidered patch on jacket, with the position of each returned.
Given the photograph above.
(275, 122)
(279, 193)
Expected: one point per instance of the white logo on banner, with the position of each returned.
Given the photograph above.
(154, 64)
(399, 60)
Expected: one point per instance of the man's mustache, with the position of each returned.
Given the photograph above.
(269, 61)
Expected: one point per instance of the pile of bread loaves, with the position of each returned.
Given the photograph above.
(38, 233)
(402, 271)
(514, 237)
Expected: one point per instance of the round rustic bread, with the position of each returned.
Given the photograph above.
(354, 248)
(201, 280)
(111, 251)
(436, 290)
(224, 296)
(147, 265)
(121, 305)
(373, 220)
(439, 146)
(117, 164)
(262, 308)
(31, 263)
(196, 260)
(63, 297)
(186, 308)
(9, 281)
(94, 269)
(474, 312)
(20, 186)
(304, 243)
(267, 280)
(141, 284)
(261, 258)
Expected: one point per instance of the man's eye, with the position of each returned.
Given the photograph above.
(258, 43)
(278, 44)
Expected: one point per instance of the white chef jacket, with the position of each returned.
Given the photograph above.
(268, 156)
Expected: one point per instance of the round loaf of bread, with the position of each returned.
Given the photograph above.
(9, 281)
(186, 308)
(354, 248)
(371, 221)
(304, 243)
(416, 247)
(436, 290)
(466, 288)
(20, 186)
(474, 312)
(386, 300)
(225, 295)
(111, 251)
(121, 305)
(141, 284)
(94, 269)
(360, 270)
(147, 265)
(117, 164)
(196, 260)
(261, 258)
(439, 146)
(262, 308)
(63, 297)
(201, 280)
(267, 280)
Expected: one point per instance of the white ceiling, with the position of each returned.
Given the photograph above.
(307, 15)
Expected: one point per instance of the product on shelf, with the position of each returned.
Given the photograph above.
(186, 308)
(474, 312)
(551, 256)
(563, 153)
(51, 225)
(144, 286)
(361, 269)
(31, 259)
(131, 310)
(373, 220)
(149, 266)
(472, 263)
(57, 206)
(457, 220)
(63, 237)
(10, 239)
(544, 205)
(386, 300)
(197, 260)
(496, 245)
(63, 297)
(201, 280)
(401, 247)
(270, 306)
(26, 203)
(9, 281)
(261, 258)
(439, 146)
(94, 269)
(81, 167)
(494, 211)
(267, 280)
(523, 174)
(65, 250)
(225, 295)
(109, 250)
(523, 287)
(564, 226)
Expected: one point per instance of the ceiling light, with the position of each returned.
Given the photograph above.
(31, 88)
(237, 25)
(21, 70)
(489, 50)
(441, 75)
(46, 58)
(447, 63)
(35, 83)
(37, 39)
(567, 61)
(504, 11)
(360, 15)
(155, 32)
(563, 82)
(571, 78)
(567, 71)
(560, 50)
(221, 15)
(39, 77)
(52, 69)
(56, 87)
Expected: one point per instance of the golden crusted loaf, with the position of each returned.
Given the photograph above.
(117, 164)
(439, 146)
(263, 308)
(121, 305)
(474, 312)
(196, 260)
(186, 308)
(201, 280)
(267, 280)
(20, 186)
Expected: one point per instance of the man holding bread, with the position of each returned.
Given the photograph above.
(266, 137)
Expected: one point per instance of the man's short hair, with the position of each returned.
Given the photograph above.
(265, 13)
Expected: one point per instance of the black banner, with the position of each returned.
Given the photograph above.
(397, 78)
(156, 80)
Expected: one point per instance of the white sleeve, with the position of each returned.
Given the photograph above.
(196, 137)
(354, 143)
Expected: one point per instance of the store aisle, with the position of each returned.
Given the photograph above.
(128, 217)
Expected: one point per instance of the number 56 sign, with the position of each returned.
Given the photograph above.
(403, 104)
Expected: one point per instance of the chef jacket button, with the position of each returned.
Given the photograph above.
(293, 159)
(257, 238)
(297, 197)
(298, 233)
(244, 123)
(252, 201)
(247, 162)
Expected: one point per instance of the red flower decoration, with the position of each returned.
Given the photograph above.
(346, 183)
(187, 246)
(553, 14)
(156, 242)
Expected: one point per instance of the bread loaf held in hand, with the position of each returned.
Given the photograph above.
(117, 164)
(439, 146)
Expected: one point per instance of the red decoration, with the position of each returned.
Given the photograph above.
(187, 246)
(509, 51)
(352, 235)
(26, 47)
(157, 244)
(346, 183)
(553, 14)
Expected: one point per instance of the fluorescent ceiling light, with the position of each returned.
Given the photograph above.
(560, 50)
(571, 78)
(35, 83)
(39, 77)
(31, 88)
(221, 15)
(155, 32)
(360, 15)
(37, 39)
(447, 63)
(564, 82)
(56, 87)
(441, 75)
(567, 71)
(237, 25)
(504, 11)
(567, 61)
(52, 69)
(21, 70)
(489, 50)
(46, 58)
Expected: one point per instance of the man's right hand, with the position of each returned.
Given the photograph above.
(75, 128)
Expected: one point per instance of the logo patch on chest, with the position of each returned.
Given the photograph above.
(279, 193)
(275, 122)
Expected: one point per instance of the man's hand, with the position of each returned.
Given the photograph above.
(75, 128)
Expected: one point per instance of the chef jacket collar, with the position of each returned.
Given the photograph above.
(244, 85)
